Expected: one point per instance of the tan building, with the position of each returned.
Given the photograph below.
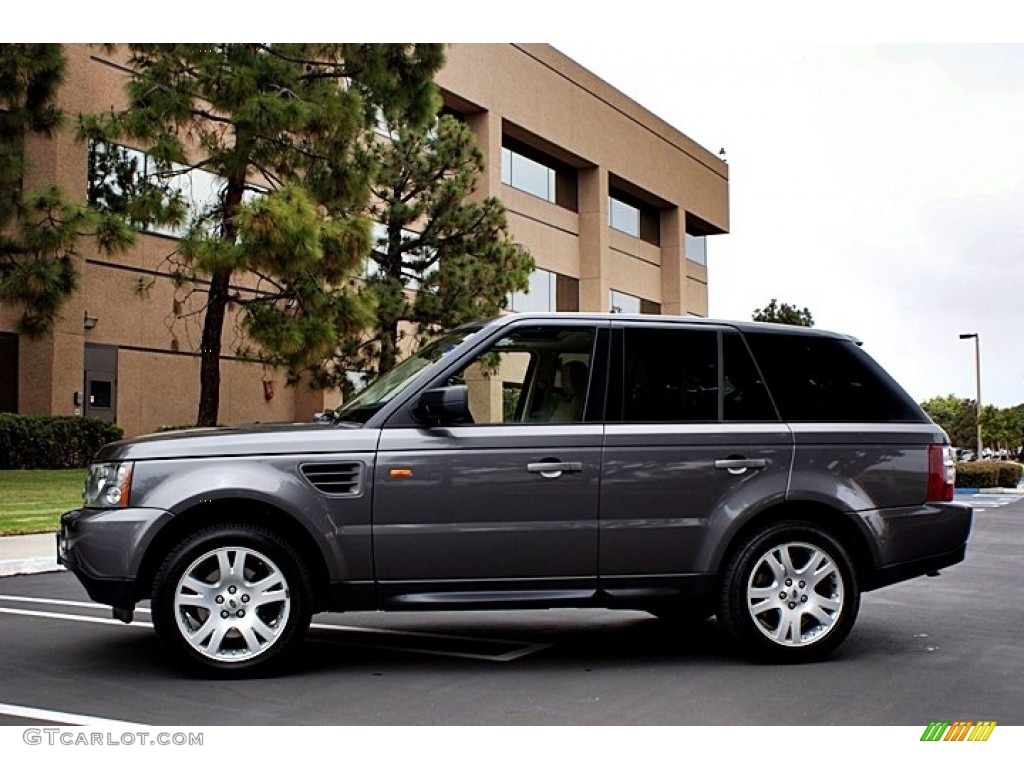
(614, 204)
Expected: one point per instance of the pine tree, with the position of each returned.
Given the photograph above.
(442, 257)
(40, 229)
(280, 128)
(787, 314)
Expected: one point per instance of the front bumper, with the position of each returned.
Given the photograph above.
(104, 549)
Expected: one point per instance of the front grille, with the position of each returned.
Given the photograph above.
(335, 479)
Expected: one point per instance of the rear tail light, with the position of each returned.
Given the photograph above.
(941, 473)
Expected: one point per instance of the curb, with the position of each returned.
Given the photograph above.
(991, 491)
(29, 566)
(28, 554)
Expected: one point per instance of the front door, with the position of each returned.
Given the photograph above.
(503, 509)
(100, 382)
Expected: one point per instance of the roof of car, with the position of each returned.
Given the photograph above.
(747, 326)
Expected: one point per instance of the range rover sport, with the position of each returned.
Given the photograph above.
(767, 475)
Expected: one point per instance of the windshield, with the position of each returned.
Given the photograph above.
(381, 391)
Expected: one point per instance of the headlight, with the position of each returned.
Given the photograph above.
(108, 485)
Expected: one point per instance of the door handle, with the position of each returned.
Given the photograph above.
(739, 466)
(554, 468)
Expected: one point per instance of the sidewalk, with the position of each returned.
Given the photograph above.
(36, 553)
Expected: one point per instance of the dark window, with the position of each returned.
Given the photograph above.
(567, 294)
(670, 375)
(8, 372)
(101, 394)
(744, 395)
(826, 379)
(649, 307)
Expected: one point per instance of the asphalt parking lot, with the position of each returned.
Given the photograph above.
(943, 648)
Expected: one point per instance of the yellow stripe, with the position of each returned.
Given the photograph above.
(982, 730)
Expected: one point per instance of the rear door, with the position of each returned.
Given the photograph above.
(693, 441)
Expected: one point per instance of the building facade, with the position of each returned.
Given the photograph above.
(614, 204)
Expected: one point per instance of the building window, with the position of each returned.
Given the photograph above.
(623, 302)
(649, 307)
(532, 171)
(528, 175)
(697, 249)
(411, 279)
(118, 177)
(634, 217)
(623, 217)
(548, 292)
(540, 296)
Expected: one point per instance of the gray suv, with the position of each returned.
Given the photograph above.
(764, 474)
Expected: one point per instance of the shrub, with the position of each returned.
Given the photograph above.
(52, 442)
(988, 474)
(1009, 474)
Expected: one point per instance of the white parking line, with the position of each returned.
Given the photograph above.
(988, 500)
(70, 617)
(519, 650)
(65, 718)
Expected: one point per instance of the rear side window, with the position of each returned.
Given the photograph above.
(826, 379)
(744, 395)
(670, 375)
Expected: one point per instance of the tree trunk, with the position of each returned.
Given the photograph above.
(209, 371)
(220, 285)
(387, 332)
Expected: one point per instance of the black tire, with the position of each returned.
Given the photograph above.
(217, 621)
(788, 594)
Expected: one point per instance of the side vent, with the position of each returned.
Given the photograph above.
(336, 479)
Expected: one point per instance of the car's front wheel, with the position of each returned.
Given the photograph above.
(232, 599)
(789, 593)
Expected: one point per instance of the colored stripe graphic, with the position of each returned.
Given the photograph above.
(959, 730)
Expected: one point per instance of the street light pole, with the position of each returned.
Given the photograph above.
(977, 379)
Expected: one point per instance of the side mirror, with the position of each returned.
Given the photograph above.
(445, 405)
(324, 417)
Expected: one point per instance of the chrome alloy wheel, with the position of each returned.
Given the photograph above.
(795, 594)
(232, 604)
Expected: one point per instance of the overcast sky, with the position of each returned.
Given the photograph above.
(880, 186)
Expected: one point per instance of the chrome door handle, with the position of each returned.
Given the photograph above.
(739, 466)
(554, 468)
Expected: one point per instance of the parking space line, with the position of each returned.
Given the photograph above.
(71, 617)
(53, 601)
(524, 649)
(518, 651)
(65, 718)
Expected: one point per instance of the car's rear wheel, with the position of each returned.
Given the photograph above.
(232, 599)
(789, 593)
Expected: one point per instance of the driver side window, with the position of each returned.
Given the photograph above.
(530, 376)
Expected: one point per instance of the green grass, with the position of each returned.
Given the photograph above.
(32, 500)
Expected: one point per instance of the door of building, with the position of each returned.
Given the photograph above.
(100, 382)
